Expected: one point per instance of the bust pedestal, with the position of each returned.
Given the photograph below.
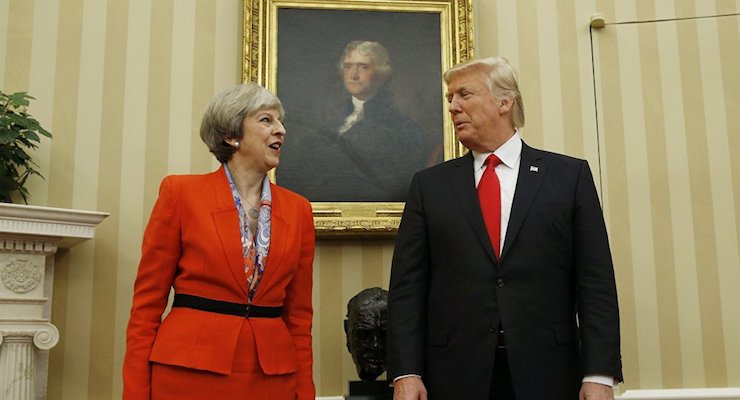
(29, 238)
(369, 390)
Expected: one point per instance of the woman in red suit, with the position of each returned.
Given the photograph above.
(238, 252)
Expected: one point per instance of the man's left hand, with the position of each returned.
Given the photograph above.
(596, 391)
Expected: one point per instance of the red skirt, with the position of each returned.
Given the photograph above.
(246, 381)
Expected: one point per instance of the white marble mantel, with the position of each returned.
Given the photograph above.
(29, 238)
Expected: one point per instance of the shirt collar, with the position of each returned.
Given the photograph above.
(508, 152)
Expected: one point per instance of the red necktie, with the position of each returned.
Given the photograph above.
(489, 196)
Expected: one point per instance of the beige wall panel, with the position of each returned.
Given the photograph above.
(703, 210)
(103, 330)
(485, 28)
(569, 79)
(637, 193)
(131, 192)
(682, 231)
(615, 200)
(122, 86)
(721, 189)
(584, 104)
(508, 39)
(227, 51)
(332, 313)
(60, 182)
(353, 271)
(4, 13)
(85, 195)
(682, 235)
(529, 63)
(550, 97)
(181, 86)
(64, 125)
(729, 39)
(659, 207)
(158, 99)
(41, 86)
(89, 99)
(203, 90)
(18, 48)
(77, 359)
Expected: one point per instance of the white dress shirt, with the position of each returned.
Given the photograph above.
(510, 154)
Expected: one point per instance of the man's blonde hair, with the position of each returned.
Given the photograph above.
(501, 79)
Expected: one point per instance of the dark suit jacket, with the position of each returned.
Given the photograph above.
(192, 243)
(553, 291)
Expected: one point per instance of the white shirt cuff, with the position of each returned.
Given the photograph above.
(601, 379)
(405, 376)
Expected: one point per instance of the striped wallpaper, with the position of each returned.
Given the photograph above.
(669, 125)
(122, 85)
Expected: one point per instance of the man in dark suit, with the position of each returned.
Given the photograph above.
(502, 284)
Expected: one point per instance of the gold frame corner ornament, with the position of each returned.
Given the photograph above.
(259, 64)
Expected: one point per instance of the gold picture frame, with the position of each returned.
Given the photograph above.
(414, 31)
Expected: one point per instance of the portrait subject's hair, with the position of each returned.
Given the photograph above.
(377, 53)
(225, 113)
(502, 82)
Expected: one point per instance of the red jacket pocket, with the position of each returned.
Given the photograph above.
(197, 339)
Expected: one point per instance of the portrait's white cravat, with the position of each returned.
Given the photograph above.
(352, 118)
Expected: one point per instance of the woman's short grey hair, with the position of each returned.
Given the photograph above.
(225, 113)
(502, 82)
(377, 53)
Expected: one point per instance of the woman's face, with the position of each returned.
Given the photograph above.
(263, 135)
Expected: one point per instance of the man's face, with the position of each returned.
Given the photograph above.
(366, 342)
(360, 77)
(477, 115)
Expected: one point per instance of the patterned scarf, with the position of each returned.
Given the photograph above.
(254, 247)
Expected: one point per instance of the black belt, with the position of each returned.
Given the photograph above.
(225, 307)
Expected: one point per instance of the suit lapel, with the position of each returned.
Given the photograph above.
(532, 171)
(226, 219)
(463, 182)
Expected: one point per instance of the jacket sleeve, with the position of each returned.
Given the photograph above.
(159, 258)
(598, 312)
(407, 313)
(298, 309)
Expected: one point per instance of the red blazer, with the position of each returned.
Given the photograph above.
(192, 243)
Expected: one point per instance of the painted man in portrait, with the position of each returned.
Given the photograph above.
(365, 150)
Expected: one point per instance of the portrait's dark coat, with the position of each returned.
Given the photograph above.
(371, 162)
(553, 291)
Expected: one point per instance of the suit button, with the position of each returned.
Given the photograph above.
(500, 282)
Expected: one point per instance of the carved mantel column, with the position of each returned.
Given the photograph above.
(29, 238)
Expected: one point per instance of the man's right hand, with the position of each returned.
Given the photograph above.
(409, 388)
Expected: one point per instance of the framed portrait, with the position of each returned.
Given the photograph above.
(361, 84)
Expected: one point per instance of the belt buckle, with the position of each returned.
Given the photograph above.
(247, 310)
(500, 340)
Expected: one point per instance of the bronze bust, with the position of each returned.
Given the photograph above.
(366, 332)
